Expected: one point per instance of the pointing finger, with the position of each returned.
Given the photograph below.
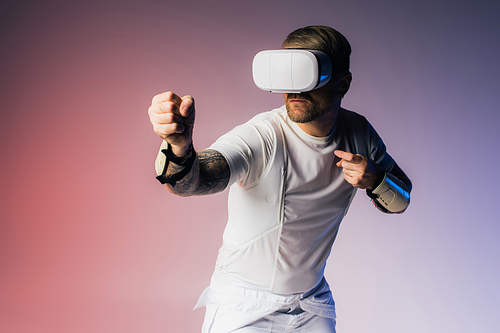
(343, 155)
(349, 157)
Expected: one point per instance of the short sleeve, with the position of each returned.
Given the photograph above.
(247, 150)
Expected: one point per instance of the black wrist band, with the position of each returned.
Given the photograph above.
(186, 163)
(370, 194)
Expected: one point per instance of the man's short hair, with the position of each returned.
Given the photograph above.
(322, 38)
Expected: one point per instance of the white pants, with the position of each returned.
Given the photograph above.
(286, 323)
(278, 322)
(233, 305)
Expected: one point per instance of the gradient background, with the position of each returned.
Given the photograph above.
(91, 242)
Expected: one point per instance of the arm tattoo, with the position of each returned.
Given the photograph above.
(209, 174)
(214, 172)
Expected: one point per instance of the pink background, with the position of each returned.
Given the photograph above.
(90, 242)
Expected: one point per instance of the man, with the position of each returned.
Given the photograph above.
(293, 172)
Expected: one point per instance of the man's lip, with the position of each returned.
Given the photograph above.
(295, 100)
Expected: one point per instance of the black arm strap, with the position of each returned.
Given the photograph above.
(186, 163)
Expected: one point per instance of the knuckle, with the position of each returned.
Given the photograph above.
(168, 118)
(172, 118)
(154, 109)
(177, 128)
(155, 98)
(158, 130)
(166, 107)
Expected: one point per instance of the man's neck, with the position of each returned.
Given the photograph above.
(322, 126)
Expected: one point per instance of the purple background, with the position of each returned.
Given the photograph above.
(90, 242)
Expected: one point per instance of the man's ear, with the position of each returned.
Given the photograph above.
(345, 83)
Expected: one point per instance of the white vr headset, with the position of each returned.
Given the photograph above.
(293, 70)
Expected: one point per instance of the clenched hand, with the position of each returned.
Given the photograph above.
(173, 120)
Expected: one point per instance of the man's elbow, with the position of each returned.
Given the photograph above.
(392, 195)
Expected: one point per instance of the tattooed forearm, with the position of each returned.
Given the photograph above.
(187, 185)
(209, 174)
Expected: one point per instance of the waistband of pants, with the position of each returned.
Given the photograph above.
(228, 290)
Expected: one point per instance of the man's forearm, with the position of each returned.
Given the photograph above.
(208, 173)
(187, 185)
(392, 194)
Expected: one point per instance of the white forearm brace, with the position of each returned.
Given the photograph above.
(392, 194)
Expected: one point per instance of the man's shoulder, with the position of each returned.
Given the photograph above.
(355, 122)
(266, 123)
(273, 115)
(262, 126)
(353, 117)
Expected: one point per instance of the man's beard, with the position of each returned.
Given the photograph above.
(309, 111)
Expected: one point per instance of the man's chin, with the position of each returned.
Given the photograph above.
(297, 115)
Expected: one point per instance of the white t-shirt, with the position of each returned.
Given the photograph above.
(287, 255)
